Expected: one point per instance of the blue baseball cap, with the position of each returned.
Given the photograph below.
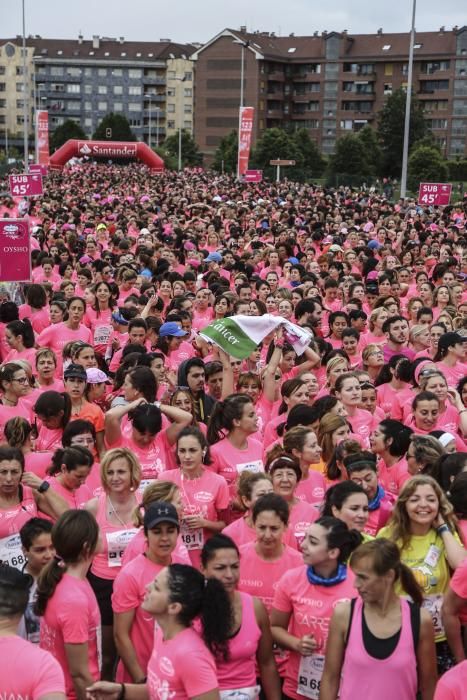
(213, 257)
(171, 328)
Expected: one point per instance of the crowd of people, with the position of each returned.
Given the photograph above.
(178, 522)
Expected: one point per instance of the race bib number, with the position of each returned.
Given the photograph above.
(117, 542)
(255, 467)
(240, 693)
(102, 335)
(434, 603)
(192, 539)
(432, 556)
(144, 483)
(309, 676)
(11, 552)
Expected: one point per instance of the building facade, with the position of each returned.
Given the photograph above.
(86, 80)
(329, 83)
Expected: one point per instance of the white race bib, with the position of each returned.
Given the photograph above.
(144, 483)
(192, 539)
(117, 542)
(309, 676)
(102, 335)
(240, 693)
(256, 466)
(11, 552)
(434, 603)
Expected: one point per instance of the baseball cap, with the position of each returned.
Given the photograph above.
(336, 248)
(293, 260)
(449, 339)
(84, 259)
(171, 328)
(118, 318)
(99, 227)
(160, 512)
(96, 376)
(373, 245)
(213, 257)
(75, 371)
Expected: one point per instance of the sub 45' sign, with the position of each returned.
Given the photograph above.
(26, 185)
(436, 194)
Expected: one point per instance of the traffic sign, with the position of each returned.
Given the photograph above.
(281, 162)
(26, 185)
(437, 194)
(253, 176)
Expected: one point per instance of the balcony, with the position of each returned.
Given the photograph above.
(275, 113)
(155, 98)
(276, 75)
(275, 94)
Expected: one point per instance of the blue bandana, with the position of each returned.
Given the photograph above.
(376, 502)
(317, 580)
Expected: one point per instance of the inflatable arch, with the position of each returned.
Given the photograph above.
(74, 148)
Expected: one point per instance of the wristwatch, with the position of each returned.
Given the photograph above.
(43, 487)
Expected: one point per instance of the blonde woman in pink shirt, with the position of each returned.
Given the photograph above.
(349, 391)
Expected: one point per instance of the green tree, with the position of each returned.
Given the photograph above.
(273, 144)
(313, 162)
(68, 130)
(391, 130)
(373, 153)
(226, 153)
(120, 129)
(191, 155)
(169, 161)
(426, 164)
(349, 158)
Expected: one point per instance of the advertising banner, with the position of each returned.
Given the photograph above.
(15, 251)
(436, 194)
(42, 136)
(244, 142)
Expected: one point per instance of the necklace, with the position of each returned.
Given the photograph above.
(114, 512)
(8, 402)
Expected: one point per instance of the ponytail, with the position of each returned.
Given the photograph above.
(340, 537)
(409, 583)
(71, 458)
(50, 403)
(222, 418)
(49, 578)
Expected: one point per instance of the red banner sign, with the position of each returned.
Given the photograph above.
(253, 176)
(37, 168)
(42, 136)
(244, 142)
(106, 149)
(15, 251)
(436, 194)
(25, 185)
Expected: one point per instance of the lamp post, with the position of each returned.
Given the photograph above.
(244, 45)
(148, 97)
(25, 100)
(408, 102)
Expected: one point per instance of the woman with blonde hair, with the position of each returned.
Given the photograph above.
(419, 337)
(331, 431)
(423, 454)
(425, 529)
(334, 368)
(372, 360)
(375, 323)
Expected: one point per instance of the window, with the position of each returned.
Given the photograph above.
(74, 106)
(134, 90)
(418, 46)
(171, 124)
(356, 106)
(102, 106)
(88, 106)
(57, 87)
(135, 73)
(102, 89)
(171, 108)
(73, 87)
(57, 121)
(74, 71)
(88, 122)
(19, 104)
(56, 70)
(19, 70)
(437, 123)
(88, 89)
(346, 124)
(118, 89)
(134, 107)
(2, 87)
(117, 72)
(19, 87)
(388, 88)
(171, 93)
(2, 119)
(188, 75)
(187, 124)
(432, 85)
(388, 68)
(433, 66)
(88, 72)
(2, 104)
(291, 50)
(188, 92)
(118, 106)
(2, 70)
(135, 122)
(386, 47)
(102, 72)
(187, 109)
(170, 75)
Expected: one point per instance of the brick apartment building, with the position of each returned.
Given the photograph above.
(150, 83)
(329, 83)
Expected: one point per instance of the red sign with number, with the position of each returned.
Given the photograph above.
(26, 185)
(15, 251)
(436, 194)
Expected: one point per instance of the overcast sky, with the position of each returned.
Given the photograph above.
(191, 20)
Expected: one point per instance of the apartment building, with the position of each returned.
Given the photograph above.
(329, 83)
(12, 89)
(86, 79)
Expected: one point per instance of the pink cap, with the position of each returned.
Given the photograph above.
(420, 367)
(96, 376)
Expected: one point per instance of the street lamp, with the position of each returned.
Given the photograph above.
(25, 100)
(181, 80)
(408, 101)
(149, 97)
(244, 45)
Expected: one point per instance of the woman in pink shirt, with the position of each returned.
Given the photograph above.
(452, 412)
(18, 433)
(304, 600)
(68, 473)
(59, 334)
(374, 650)
(14, 385)
(113, 510)
(70, 620)
(99, 316)
(46, 365)
(450, 357)
(20, 337)
(302, 444)
(250, 644)
(250, 487)
(293, 392)
(348, 502)
(133, 628)
(205, 495)
(390, 441)
(349, 391)
(182, 664)
(35, 308)
(362, 470)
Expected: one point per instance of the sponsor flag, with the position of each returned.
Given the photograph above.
(239, 335)
(244, 141)
(42, 136)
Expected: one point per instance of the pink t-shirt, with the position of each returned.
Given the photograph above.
(114, 539)
(229, 462)
(153, 457)
(21, 410)
(259, 576)
(393, 478)
(363, 424)
(27, 671)
(205, 496)
(240, 532)
(312, 489)
(139, 545)
(453, 374)
(49, 439)
(37, 462)
(75, 499)
(72, 617)
(180, 668)
(101, 327)
(452, 685)
(128, 593)
(58, 335)
(311, 607)
(302, 515)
